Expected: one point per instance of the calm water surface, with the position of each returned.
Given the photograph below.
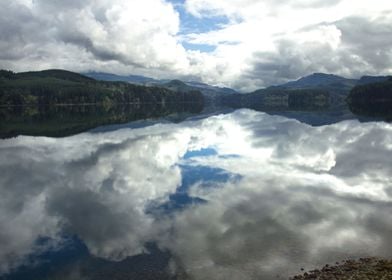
(244, 195)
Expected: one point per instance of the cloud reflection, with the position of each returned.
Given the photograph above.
(294, 195)
(94, 186)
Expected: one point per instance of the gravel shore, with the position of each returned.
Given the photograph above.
(362, 269)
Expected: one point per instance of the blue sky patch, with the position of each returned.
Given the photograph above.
(190, 24)
(198, 47)
(200, 153)
(209, 176)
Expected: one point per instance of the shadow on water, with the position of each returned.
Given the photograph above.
(319, 116)
(73, 261)
(62, 121)
(378, 110)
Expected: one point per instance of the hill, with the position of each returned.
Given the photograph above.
(316, 80)
(337, 87)
(133, 79)
(311, 92)
(53, 87)
(332, 83)
(373, 100)
(177, 85)
(280, 99)
(203, 86)
(54, 73)
(211, 93)
(364, 80)
(372, 93)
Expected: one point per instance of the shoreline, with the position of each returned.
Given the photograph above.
(364, 268)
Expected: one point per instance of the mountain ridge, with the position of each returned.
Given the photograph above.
(207, 89)
(55, 86)
(103, 76)
(334, 82)
(316, 80)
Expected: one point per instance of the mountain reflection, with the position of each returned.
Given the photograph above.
(276, 194)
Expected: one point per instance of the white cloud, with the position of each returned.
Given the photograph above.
(297, 186)
(143, 37)
(304, 193)
(315, 40)
(101, 34)
(95, 186)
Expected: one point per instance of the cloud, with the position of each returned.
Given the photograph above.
(337, 48)
(253, 229)
(301, 193)
(258, 43)
(298, 202)
(94, 186)
(269, 43)
(97, 33)
(250, 8)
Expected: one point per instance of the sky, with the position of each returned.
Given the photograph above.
(243, 44)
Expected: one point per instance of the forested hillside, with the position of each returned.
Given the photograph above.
(372, 93)
(265, 99)
(374, 100)
(54, 87)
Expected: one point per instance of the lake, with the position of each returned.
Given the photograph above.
(237, 195)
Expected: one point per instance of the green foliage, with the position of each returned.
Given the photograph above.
(372, 93)
(6, 74)
(55, 73)
(52, 87)
(278, 98)
(60, 121)
(372, 100)
(308, 98)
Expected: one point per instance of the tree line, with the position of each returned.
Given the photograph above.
(54, 87)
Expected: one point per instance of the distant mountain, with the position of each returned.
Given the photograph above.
(338, 87)
(224, 90)
(210, 93)
(372, 79)
(53, 73)
(280, 99)
(330, 81)
(319, 80)
(317, 90)
(177, 85)
(54, 87)
(133, 79)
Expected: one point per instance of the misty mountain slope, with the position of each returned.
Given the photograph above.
(315, 91)
(52, 87)
(335, 85)
(208, 91)
(134, 79)
(364, 80)
(199, 85)
(317, 80)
